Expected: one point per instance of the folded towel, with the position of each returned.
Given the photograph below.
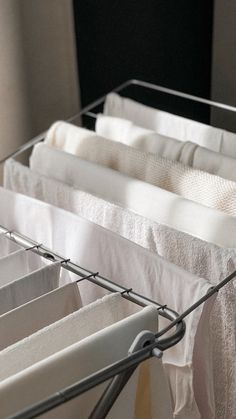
(187, 153)
(165, 208)
(21, 322)
(172, 176)
(101, 250)
(7, 246)
(28, 287)
(85, 357)
(165, 123)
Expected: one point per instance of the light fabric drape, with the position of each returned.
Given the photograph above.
(174, 126)
(187, 153)
(81, 359)
(100, 250)
(21, 322)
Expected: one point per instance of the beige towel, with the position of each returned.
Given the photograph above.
(28, 287)
(189, 183)
(7, 246)
(38, 313)
(187, 153)
(85, 356)
(145, 271)
(204, 259)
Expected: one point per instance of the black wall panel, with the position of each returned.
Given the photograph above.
(167, 42)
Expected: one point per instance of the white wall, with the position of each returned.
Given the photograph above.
(224, 61)
(38, 71)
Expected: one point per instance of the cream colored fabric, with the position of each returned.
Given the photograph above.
(25, 320)
(29, 286)
(199, 257)
(189, 183)
(166, 208)
(164, 123)
(187, 153)
(85, 356)
(7, 246)
(145, 272)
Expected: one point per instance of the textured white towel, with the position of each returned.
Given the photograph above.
(204, 259)
(84, 357)
(165, 123)
(144, 199)
(21, 322)
(146, 272)
(174, 177)
(7, 246)
(187, 153)
(28, 287)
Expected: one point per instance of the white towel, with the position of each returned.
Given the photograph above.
(201, 187)
(204, 259)
(28, 287)
(73, 327)
(25, 320)
(83, 358)
(146, 272)
(18, 264)
(165, 123)
(210, 190)
(7, 246)
(187, 153)
(165, 208)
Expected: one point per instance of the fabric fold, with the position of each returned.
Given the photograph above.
(83, 358)
(187, 153)
(165, 123)
(25, 320)
(28, 287)
(145, 272)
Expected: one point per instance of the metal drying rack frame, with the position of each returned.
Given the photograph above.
(120, 371)
(146, 344)
(87, 110)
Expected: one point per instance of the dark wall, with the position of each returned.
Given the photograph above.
(167, 42)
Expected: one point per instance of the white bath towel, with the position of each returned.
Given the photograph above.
(85, 357)
(25, 320)
(187, 153)
(174, 177)
(165, 208)
(165, 123)
(28, 287)
(145, 271)
(7, 246)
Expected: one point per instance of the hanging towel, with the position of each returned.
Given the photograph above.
(18, 264)
(174, 177)
(73, 328)
(187, 153)
(30, 286)
(83, 358)
(144, 271)
(204, 259)
(165, 123)
(152, 202)
(27, 319)
(7, 246)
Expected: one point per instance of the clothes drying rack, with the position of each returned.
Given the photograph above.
(147, 344)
